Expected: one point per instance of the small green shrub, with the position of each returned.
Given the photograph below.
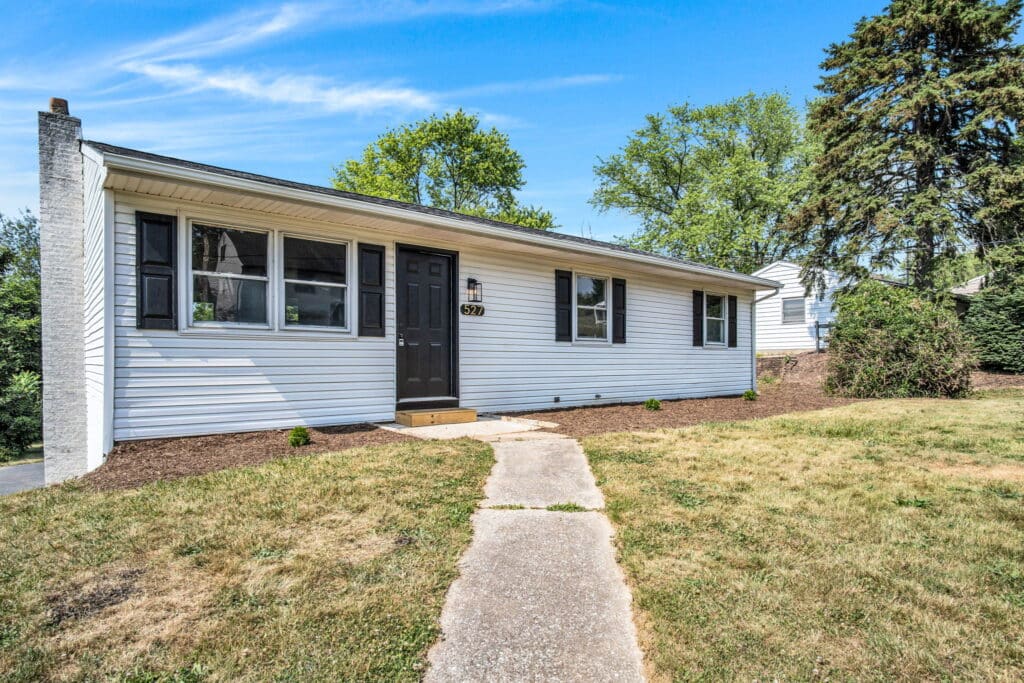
(750, 395)
(652, 404)
(299, 436)
(20, 415)
(889, 342)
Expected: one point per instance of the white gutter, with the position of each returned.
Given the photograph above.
(753, 335)
(128, 163)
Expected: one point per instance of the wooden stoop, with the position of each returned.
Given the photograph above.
(435, 416)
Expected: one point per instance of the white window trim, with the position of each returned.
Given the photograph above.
(803, 308)
(275, 326)
(724, 319)
(189, 321)
(283, 325)
(608, 310)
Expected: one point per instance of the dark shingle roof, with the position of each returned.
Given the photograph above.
(418, 208)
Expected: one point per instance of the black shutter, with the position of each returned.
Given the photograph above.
(563, 305)
(618, 311)
(156, 254)
(732, 321)
(698, 317)
(371, 290)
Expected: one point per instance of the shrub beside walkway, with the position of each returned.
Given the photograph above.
(539, 596)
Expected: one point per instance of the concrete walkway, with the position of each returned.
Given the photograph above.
(539, 596)
(17, 478)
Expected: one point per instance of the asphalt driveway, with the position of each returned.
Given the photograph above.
(15, 478)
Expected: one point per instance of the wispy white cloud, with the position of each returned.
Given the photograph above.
(289, 89)
(250, 27)
(535, 85)
(224, 34)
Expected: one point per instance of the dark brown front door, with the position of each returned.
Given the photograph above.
(425, 326)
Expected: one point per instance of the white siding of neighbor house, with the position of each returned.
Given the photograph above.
(96, 241)
(772, 333)
(173, 383)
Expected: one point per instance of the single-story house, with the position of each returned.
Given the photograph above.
(792, 319)
(184, 299)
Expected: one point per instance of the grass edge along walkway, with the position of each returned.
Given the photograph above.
(331, 567)
(882, 540)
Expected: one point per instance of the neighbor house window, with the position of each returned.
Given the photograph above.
(714, 318)
(229, 275)
(793, 311)
(315, 288)
(591, 308)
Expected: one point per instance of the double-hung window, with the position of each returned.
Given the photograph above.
(230, 276)
(240, 277)
(315, 288)
(793, 311)
(592, 308)
(715, 314)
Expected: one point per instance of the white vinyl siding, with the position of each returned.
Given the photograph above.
(198, 381)
(511, 361)
(202, 381)
(774, 331)
(96, 265)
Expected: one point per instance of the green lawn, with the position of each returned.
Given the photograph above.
(33, 454)
(326, 568)
(882, 540)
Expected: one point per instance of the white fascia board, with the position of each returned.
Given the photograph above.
(309, 197)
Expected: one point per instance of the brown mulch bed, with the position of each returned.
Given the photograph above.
(134, 463)
(996, 380)
(797, 387)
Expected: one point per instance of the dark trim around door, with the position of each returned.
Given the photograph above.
(428, 404)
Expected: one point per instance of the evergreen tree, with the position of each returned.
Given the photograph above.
(919, 130)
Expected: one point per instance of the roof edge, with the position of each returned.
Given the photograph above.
(135, 160)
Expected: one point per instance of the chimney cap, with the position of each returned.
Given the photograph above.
(59, 105)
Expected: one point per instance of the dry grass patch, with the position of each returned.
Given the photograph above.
(870, 541)
(331, 567)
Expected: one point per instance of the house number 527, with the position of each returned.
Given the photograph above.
(471, 309)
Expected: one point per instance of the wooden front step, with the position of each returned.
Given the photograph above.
(435, 416)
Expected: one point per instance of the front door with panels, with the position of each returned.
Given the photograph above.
(426, 334)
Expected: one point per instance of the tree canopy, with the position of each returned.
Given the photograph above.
(920, 153)
(448, 162)
(712, 183)
(20, 335)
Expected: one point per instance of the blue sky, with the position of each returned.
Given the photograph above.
(292, 89)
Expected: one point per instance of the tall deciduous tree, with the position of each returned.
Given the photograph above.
(448, 162)
(918, 124)
(20, 330)
(712, 183)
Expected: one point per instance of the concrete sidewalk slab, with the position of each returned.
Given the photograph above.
(17, 478)
(539, 598)
(481, 429)
(541, 472)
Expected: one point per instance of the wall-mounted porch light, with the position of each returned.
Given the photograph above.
(474, 291)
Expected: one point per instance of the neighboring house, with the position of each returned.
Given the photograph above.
(791, 319)
(963, 293)
(183, 299)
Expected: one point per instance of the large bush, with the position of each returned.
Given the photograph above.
(996, 322)
(890, 342)
(20, 415)
(996, 317)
